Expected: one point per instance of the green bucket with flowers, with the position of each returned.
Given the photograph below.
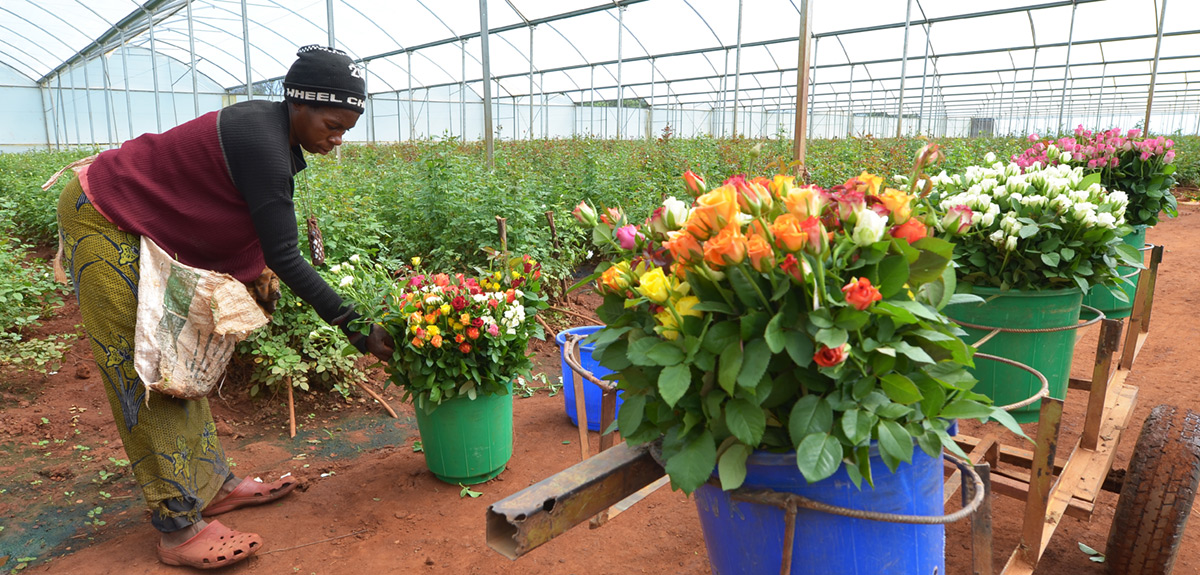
(766, 316)
(1103, 298)
(1030, 241)
(1127, 163)
(459, 343)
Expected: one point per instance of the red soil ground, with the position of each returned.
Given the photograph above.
(368, 504)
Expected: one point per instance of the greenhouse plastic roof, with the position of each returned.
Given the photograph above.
(982, 56)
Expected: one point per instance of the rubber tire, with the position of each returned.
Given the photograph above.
(1156, 499)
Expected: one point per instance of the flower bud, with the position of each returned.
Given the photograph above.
(585, 213)
(694, 183)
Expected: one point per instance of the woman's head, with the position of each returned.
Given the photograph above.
(327, 93)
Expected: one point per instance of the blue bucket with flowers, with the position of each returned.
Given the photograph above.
(769, 317)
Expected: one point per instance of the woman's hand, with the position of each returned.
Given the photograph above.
(380, 343)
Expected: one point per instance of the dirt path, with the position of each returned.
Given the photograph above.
(369, 505)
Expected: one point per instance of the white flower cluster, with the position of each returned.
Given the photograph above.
(1000, 197)
(513, 318)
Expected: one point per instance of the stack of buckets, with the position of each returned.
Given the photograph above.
(591, 392)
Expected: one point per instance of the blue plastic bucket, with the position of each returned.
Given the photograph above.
(747, 538)
(591, 392)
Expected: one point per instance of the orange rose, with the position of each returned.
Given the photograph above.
(726, 248)
(912, 230)
(826, 357)
(871, 181)
(898, 203)
(788, 232)
(684, 247)
(615, 279)
(762, 257)
(782, 184)
(436, 341)
(693, 183)
(713, 211)
(418, 342)
(860, 293)
(799, 201)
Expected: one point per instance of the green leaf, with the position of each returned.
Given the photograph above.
(467, 491)
(665, 353)
(732, 466)
(714, 306)
(900, 389)
(743, 286)
(832, 338)
(914, 353)
(935, 254)
(674, 382)
(799, 347)
(811, 414)
(774, 334)
(745, 420)
(605, 335)
(755, 359)
(693, 464)
(1051, 259)
(962, 409)
(893, 274)
(1088, 180)
(895, 440)
(1028, 231)
(857, 424)
(629, 417)
(722, 335)
(818, 456)
(639, 350)
(728, 367)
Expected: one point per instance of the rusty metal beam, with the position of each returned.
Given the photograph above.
(528, 518)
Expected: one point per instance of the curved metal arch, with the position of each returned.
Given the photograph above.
(17, 60)
(39, 6)
(140, 44)
(26, 38)
(26, 20)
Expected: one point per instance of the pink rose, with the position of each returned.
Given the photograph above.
(627, 237)
(493, 330)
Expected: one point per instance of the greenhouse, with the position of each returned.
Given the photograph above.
(84, 73)
(812, 287)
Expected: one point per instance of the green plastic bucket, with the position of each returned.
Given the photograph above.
(1100, 298)
(466, 440)
(1050, 353)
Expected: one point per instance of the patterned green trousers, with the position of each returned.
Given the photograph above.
(171, 443)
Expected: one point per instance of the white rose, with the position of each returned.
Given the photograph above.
(869, 228)
(346, 281)
(1010, 243)
(354, 258)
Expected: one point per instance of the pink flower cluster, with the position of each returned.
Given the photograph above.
(1097, 150)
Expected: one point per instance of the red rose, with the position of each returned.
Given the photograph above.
(458, 303)
(477, 322)
(473, 332)
(911, 230)
(826, 357)
(464, 347)
(860, 293)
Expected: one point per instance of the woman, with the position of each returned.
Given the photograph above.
(216, 193)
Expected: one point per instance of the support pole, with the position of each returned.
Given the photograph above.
(737, 71)
(924, 75)
(903, 71)
(1032, 69)
(489, 142)
(620, 58)
(850, 105)
(246, 49)
(800, 143)
(1062, 103)
(154, 74)
(1162, 18)
(45, 94)
(74, 107)
(412, 120)
(812, 97)
(125, 77)
(87, 98)
(462, 96)
(650, 108)
(328, 20)
(192, 55)
(531, 83)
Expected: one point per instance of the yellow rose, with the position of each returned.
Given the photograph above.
(653, 285)
(668, 327)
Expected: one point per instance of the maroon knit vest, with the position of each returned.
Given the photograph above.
(175, 188)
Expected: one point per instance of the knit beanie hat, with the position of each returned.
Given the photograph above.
(324, 76)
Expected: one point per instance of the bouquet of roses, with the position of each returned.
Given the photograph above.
(771, 315)
(1139, 166)
(455, 335)
(1036, 228)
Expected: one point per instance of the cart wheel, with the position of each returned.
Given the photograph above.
(1156, 499)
